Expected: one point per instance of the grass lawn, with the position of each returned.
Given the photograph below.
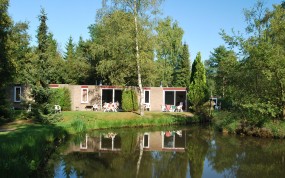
(78, 121)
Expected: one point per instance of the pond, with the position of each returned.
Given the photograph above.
(174, 152)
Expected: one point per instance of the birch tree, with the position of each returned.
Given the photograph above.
(141, 11)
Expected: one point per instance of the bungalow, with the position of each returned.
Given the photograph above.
(83, 97)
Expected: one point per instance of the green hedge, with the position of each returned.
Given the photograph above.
(61, 96)
(129, 100)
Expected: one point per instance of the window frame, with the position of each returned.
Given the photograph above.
(82, 97)
(17, 100)
(148, 96)
(148, 135)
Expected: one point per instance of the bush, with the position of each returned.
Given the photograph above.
(5, 108)
(129, 100)
(61, 96)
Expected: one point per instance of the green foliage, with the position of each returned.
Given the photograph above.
(227, 121)
(7, 64)
(182, 71)
(61, 96)
(169, 49)
(198, 91)
(257, 86)
(78, 125)
(220, 69)
(25, 150)
(115, 57)
(5, 108)
(7, 67)
(76, 66)
(129, 100)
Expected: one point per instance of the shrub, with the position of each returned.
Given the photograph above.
(129, 100)
(61, 96)
(78, 125)
(5, 107)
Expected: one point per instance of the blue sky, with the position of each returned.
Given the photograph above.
(201, 20)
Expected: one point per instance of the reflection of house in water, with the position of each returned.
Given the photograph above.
(152, 141)
(110, 141)
(165, 141)
(105, 142)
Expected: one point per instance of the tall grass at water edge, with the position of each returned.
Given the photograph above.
(26, 149)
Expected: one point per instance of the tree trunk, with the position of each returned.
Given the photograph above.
(138, 61)
(141, 153)
(223, 88)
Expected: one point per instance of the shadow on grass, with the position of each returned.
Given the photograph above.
(24, 151)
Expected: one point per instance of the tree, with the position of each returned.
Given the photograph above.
(7, 67)
(259, 77)
(220, 67)
(40, 89)
(116, 65)
(82, 71)
(70, 50)
(182, 71)
(71, 64)
(139, 9)
(168, 49)
(42, 37)
(116, 55)
(198, 92)
(22, 53)
(54, 64)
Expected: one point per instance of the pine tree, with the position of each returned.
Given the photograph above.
(182, 72)
(70, 53)
(40, 90)
(42, 37)
(198, 92)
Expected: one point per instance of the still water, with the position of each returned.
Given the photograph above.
(174, 152)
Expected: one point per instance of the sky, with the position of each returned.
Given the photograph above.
(201, 20)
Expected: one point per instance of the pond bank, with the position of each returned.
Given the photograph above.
(26, 146)
(80, 121)
(231, 123)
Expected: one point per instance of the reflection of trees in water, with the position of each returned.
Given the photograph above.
(247, 157)
(197, 148)
(228, 155)
(163, 164)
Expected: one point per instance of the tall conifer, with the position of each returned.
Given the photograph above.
(197, 93)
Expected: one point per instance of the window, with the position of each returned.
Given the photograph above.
(146, 140)
(83, 143)
(17, 94)
(146, 96)
(84, 95)
(169, 97)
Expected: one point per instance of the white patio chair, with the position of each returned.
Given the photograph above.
(57, 109)
(147, 106)
(95, 107)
